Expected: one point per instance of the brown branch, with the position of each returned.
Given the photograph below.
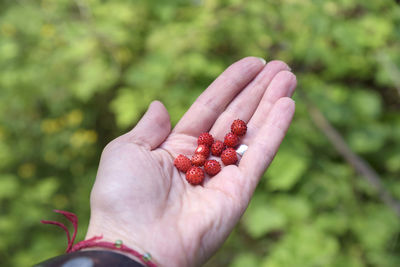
(359, 164)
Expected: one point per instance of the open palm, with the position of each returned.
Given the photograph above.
(142, 199)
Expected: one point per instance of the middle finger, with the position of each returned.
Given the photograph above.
(246, 103)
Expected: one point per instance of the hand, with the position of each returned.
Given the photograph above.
(142, 199)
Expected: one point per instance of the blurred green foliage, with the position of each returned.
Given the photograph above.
(76, 74)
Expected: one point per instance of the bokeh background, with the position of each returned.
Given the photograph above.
(74, 74)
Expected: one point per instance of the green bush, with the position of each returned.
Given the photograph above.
(76, 74)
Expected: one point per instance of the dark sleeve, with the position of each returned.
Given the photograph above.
(90, 258)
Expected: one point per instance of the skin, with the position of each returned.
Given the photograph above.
(142, 199)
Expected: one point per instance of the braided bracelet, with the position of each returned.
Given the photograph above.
(93, 242)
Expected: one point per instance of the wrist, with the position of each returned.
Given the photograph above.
(118, 246)
(124, 241)
(138, 241)
(136, 259)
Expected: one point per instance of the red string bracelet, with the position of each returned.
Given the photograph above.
(92, 242)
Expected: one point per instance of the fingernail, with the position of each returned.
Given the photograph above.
(262, 60)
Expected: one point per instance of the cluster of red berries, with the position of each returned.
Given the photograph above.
(206, 144)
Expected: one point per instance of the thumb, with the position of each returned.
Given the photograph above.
(153, 128)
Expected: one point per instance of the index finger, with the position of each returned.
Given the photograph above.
(213, 101)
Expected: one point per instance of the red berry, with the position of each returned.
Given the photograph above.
(195, 175)
(217, 148)
(212, 167)
(182, 163)
(202, 149)
(231, 140)
(198, 159)
(205, 139)
(229, 156)
(239, 127)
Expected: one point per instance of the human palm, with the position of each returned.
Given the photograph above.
(142, 199)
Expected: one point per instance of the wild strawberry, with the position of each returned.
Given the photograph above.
(205, 139)
(202, 149)
(239, 127)
(195, 175)
(212, 167)
(198, 159)
(229, 156)
(182, 163)
(231, 140)
(217, 148)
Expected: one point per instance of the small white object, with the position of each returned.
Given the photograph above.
(241, 149)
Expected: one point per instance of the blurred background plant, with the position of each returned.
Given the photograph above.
(76, 74)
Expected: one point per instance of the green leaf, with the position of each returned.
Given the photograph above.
(286, 169)
(261, 218)
(9, 186)
(370, 138)
(303, 246)
(366, 103)
(245, 259)
(129, 105)
(295, 208)
(381, 226)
